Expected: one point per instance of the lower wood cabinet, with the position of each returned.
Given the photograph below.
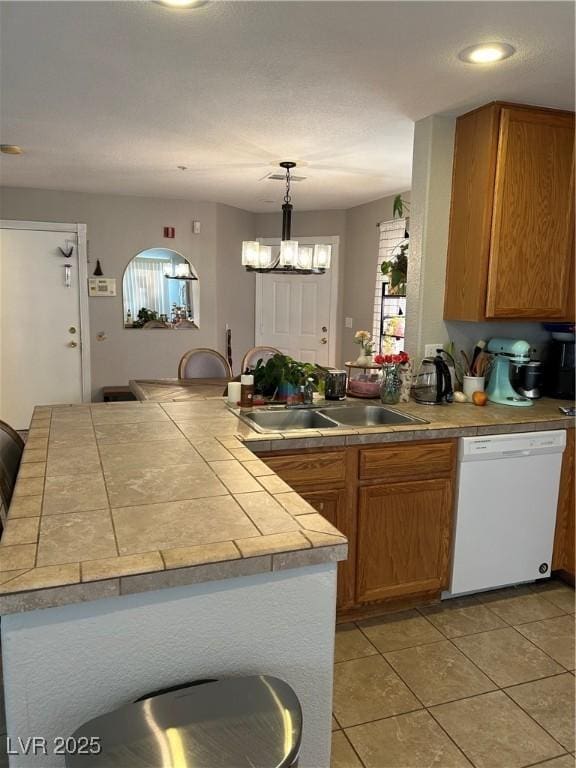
(564, 545)
(403, 536)
(330, 504)
(394, 503)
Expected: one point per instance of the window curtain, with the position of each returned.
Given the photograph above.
(146, 286)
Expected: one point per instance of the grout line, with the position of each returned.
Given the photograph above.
(110, 516)
(548, 760)
(533, 718)
(353, 748)
(538, 647)
(380, 719)
(358, 658)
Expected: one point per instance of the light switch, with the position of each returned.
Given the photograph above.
(196, 227)
(349, 322)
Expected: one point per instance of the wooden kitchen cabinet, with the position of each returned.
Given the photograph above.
(511, 246)
(564, 543)
(404, 534)
(311, 470)
(330, 504)
(394, 504)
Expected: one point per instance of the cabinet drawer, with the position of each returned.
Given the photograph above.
(310, 470)
(407, 461)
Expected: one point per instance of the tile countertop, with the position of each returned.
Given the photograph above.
(119, 498)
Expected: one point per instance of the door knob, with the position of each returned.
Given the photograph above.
(323, 340)
(72, 344)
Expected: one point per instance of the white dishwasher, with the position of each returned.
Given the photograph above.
(506, 509)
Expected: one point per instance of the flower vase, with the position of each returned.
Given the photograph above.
(391, 384)
(405, 376)
(365, 358)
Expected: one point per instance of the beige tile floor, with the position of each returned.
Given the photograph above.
(484, 681)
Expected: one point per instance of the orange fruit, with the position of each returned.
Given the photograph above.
(479, 398)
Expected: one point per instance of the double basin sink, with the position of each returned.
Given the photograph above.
(331, 417)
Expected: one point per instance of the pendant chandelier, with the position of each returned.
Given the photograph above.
(292, 258)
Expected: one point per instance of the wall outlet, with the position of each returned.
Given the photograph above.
(430, 349)
(349, 322)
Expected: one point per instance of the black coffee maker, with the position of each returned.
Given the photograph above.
(560, 370)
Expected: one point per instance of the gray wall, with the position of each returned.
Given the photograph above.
(121, 226)
(236, 287)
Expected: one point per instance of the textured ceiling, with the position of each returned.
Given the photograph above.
(113, 96)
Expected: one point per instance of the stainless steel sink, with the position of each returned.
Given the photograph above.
(288, 420)
(369, 416)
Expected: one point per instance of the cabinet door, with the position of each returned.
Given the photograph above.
(563, 557)
(403, 539)
(332, 506)
(473, 174)
(328, 503)
(531, 243)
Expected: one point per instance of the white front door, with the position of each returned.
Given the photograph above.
(297, 313)
(41, 333)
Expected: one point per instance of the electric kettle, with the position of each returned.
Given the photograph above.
(433, 383)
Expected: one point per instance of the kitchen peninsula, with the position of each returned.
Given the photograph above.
(146, 547)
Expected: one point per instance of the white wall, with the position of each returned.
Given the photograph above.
(119, 227)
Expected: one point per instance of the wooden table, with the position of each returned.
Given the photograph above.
(166, 390)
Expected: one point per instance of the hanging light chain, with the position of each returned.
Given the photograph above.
(287, 197)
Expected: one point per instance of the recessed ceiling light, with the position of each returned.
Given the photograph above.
(11, 149)
(486, 53)
(182, 3)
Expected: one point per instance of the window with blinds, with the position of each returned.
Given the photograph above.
(389, 305)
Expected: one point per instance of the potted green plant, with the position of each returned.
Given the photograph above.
(396, 268)
(281, 376)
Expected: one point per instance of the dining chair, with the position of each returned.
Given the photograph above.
(11, 447)
(204, 364)
(257, 353)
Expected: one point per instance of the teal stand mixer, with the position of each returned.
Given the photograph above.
(507, 353)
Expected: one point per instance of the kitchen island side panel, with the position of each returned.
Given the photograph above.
(66, 665)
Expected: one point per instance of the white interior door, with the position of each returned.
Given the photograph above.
(42, 360)
(297, 313)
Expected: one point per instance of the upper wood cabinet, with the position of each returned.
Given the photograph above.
(511, 246)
